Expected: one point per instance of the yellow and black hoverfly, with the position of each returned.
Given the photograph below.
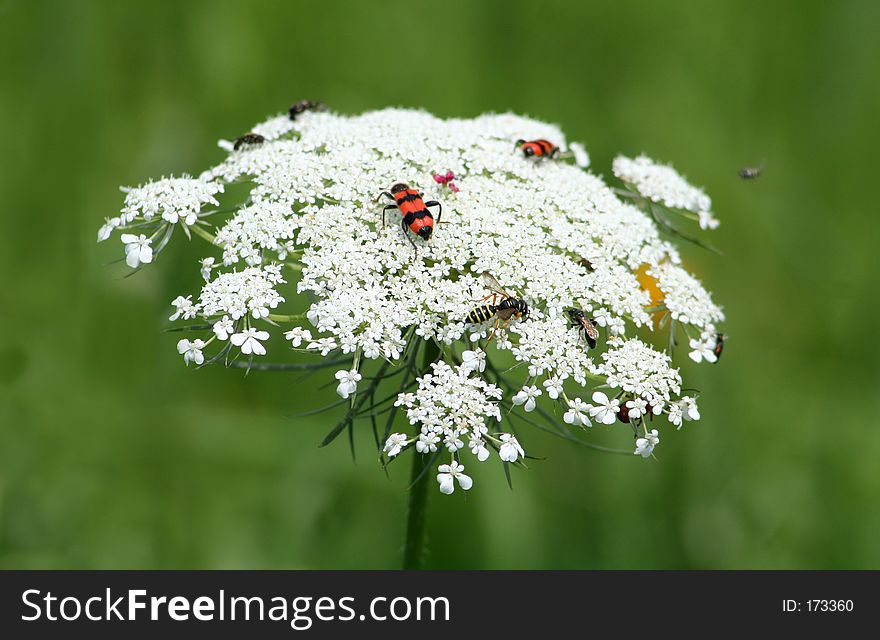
(502, 307)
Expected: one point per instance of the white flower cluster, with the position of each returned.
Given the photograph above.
(172, 199)
(450, 408)
(688, 302)
(641, 371)
(553, 234)
(237, 293)
(175, 199)
(663, 184)
(267, 227)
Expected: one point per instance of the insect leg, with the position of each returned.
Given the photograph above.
(433, 203)
(404, 226)
(386, 208)
(492, 335)
(386, 194)
(499, 325)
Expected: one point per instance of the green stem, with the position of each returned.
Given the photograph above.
(203, 233)
(277, 317)
(414, 549)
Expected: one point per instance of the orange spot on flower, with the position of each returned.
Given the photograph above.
(649, 284)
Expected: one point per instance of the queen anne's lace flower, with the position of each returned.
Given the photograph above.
(184, 308)
(689, 408)
(642, 371)
(554, 386)
(577, 413)
(676, 414)
(224, 328)
(550, 232)
(449, 401)
(250, 341)
(448, 472)
(686, 299)
(395, 444)
(581, 157)
(207, 264)
(298, 335)
(255, 230)
(703, 349)
(605, 410)
(239, 292)
(510, 448)
(427, 442)
(526, 397)
(174, 199)
(478, 448)
(191, 351)
(348, 381)
(137, 249)
(636, 408)
(645, 446)
(474, 360)
(663, 184)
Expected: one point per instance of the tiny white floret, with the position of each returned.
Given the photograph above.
(348, 380)
(645, 446)
(448, 472)
(191, 351)
(526, 397)
(137, 249)
(510, 448)
(395, 443)
(250, 341)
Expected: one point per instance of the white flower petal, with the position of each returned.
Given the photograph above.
(446, 484)
(238, 339)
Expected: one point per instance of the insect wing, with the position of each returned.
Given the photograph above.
(750, 173)
(587, 264)
(592, 332)
(492, 284)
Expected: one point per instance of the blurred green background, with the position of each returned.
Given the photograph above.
(113, 455)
